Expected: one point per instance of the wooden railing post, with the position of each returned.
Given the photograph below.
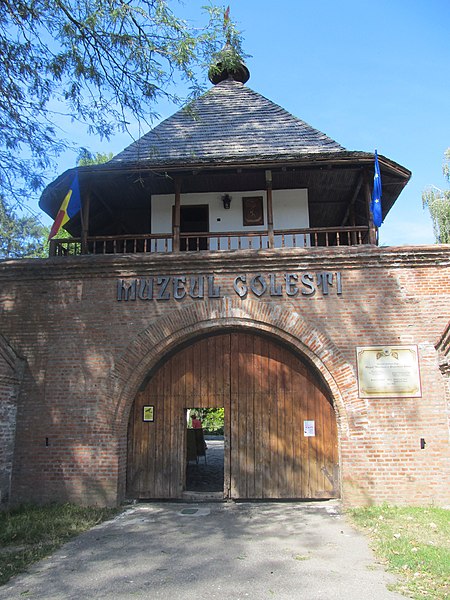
(176, 216)
(130, 244)
(269, 209)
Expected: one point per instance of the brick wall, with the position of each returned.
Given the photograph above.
(87, 354)
(11, 368)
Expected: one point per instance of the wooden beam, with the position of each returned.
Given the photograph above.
(176, 216)
(269, 209)
(52, 248)
(368, 195)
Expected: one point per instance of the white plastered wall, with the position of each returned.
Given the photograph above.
(290, 211)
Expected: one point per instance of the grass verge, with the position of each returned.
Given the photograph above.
(30, 533)
(414, 543)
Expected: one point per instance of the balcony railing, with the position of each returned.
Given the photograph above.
(195, 242)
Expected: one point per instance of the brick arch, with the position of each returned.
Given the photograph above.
(164, 334)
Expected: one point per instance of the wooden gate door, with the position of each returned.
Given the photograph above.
(272, 402)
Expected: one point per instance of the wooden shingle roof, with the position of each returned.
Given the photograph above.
(228, 124)
(224, 141)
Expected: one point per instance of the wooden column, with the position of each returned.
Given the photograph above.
(176, 216)
(368, 195)
(86, 202)
(352, 218)
(269, 209)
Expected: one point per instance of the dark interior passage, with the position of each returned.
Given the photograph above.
(206, 475)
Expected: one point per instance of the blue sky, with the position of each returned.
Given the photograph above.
(368, 74)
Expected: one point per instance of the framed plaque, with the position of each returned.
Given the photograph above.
(252, 208)
(148, 413)
(388, 372)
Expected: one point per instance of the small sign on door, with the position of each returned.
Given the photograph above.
(309, 428)
(148, 413)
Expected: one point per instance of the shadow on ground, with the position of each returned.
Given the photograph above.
(212, 551)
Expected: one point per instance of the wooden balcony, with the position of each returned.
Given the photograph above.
(210, 241)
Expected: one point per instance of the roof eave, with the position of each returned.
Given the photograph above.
(55, 191)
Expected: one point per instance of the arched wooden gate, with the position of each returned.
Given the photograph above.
(272, 400)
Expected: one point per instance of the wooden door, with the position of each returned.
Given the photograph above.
(194, 219)
(267, 393)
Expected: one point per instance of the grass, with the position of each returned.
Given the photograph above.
(414, 543)
(30, 533)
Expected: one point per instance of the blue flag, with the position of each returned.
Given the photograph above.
(375, 205)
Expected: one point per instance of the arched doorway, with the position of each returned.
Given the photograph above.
(280, 425)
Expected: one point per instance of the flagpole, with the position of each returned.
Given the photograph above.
(375, 205)
(368, 195)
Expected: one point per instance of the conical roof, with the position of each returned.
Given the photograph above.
(235, 133)
(228, 124)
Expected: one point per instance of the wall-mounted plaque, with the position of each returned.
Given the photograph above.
(148, 413)
(388, 372)
(252, 207)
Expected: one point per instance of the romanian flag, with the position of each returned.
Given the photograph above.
(70, 206)
(375, 205)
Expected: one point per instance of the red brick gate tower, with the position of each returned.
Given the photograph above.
(227, 258)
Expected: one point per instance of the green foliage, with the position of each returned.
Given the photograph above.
(29, 533)
(212, 419)
(94, 62)
(415, 543)
(438, 203)
(86, 158)
(21, 237)
(230, 57)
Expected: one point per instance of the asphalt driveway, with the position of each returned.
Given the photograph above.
(276, 551)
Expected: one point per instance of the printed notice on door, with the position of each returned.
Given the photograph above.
(388, 372)
(309, 428)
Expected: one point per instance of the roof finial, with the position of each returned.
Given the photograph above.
(228, 63)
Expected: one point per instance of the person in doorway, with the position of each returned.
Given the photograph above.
(196, 423)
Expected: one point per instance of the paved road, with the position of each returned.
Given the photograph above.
(244, 551)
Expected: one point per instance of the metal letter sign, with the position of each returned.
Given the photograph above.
(179, 287)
